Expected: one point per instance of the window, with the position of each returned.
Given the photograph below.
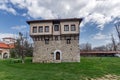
(41, 38)
(68, 41)
(73, 28)
(66, 27)
(35, 29)
(40, 28)
(46, 41)
(56, 38)
(56, 27)
(38, 38)
(46, 28)
(35, 38)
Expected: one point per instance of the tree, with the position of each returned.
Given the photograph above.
(113, 42)
(100, 48)
(117, 26)
(28, 49)
(22, 47)
(17, 48)
(12, 53)
(109, 47)
(85, 47)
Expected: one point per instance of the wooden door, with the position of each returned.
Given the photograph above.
(57, 55)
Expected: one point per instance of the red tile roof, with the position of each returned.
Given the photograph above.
(6, 46)
(11, 45)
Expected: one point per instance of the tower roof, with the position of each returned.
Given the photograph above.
(50, 20)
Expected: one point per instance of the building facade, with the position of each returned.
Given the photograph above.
(55, 40)
(5, 46)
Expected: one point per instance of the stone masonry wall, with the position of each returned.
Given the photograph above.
(44, 52)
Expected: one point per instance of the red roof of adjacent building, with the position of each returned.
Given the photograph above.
(99, 52)
(6, 46)
(11, 45)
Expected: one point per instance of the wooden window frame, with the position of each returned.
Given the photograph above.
(73, 27)
(33, 29)
(68, 41)
(46, 28)
(56, 29)
(40, 27)
(66, 27)
(46, 41)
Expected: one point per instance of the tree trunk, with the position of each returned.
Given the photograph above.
(23, 57)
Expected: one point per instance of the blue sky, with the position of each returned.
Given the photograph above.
(99, 16)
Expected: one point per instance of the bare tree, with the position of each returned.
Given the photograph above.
(22, 47)
(113, 42)
(109, 47)
(17, 48)
(117, 26)
(85, 47)
(100, 48)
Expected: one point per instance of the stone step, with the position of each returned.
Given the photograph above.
(57, 61)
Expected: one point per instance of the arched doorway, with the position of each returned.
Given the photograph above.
(57, 55)
(5, 55)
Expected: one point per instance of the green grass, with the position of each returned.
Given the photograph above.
(89, 67)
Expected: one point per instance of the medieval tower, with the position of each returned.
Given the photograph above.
(55, 40)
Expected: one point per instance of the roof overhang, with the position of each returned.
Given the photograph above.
(51, 20)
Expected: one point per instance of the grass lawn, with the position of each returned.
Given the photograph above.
(89, 67)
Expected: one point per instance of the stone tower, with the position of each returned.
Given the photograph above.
(55, 40)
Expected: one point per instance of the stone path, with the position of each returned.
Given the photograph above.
(106, 77)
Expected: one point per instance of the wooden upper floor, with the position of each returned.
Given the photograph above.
(55, 26)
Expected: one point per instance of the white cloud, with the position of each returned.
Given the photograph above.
(98, 19)
(8, 9)
(3, 35)
(100, 36)
(100, 39)
(19, 27)
(19, 3)
(99, 12)
(24, 14)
